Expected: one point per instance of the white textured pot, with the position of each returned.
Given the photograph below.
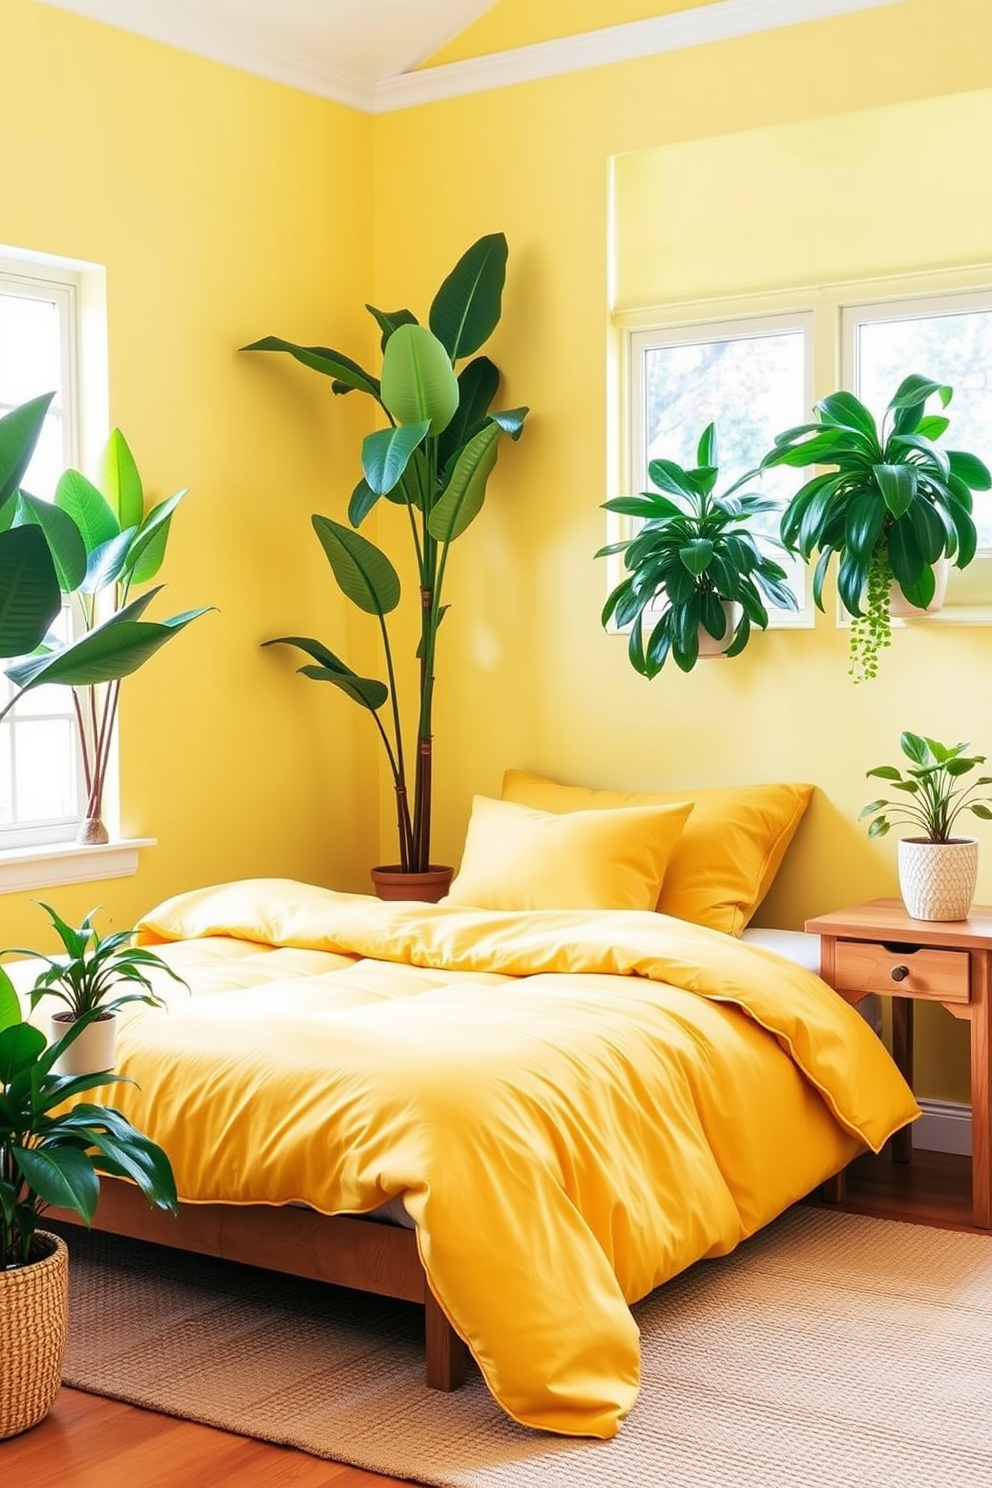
(94, 1049)
(716, 646)
(900, 606)
(937, 879)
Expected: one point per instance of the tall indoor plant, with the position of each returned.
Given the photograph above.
(894, 504)
(88, 547)
(53, 1149)
(433, 459)
(694, 569)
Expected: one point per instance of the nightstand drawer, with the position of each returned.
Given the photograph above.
(902, 970)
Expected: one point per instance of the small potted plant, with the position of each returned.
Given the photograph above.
(937, 870)
(695, 571)
(53, 1149)
(434, 460)
(893, 508)
(94, 977)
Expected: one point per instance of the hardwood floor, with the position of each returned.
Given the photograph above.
(89, 1442)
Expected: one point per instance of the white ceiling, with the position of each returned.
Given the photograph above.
(366, 41)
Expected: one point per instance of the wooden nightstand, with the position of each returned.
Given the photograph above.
(877, 947)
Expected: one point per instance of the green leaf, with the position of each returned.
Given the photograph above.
(915, 748)
(106, 563)
(511, 420)
(847, 411)
(361, 502)
(10, 1005)
(418, 384)
(696, 555)
(884, 772)
(147, 550)
(120, 481)
(970, 469)
(19, 432)
(386, 454)
(62, 535)
(364, 573)
(113, 650)
(915, 390)
(62, 1176)
(478, 384)
(88, 508)
(905, 555)
(322, 359)
(467, 307)
(462, 499)
(369, 692)
(668, 476)
(30, 597)
(389, 320)
(897, 484)
(706, 452)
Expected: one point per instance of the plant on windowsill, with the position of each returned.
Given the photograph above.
(96, 974)
(89, 546)
(433, 460)
(937, 871)
(894, 506)
(51, 1155)
(696, 562)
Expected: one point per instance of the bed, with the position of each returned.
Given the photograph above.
(566, 1106)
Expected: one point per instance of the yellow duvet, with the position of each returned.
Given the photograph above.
(573, 1106)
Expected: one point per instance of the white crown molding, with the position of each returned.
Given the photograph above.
(624, 43)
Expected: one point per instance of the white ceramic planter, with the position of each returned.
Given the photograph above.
(714, 646)
(93, 1050)
(937, 879)
(900, 606)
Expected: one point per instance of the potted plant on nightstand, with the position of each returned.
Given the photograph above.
(434, 460)
(94, 977)
(53, 1149)
(937, 871)
(695, 570)
(894, 507)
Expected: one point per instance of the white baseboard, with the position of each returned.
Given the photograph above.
(945, 1126)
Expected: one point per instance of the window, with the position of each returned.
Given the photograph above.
(751, 377)
(39, 773)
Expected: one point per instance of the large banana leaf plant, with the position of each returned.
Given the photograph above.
(52, 1151)
(90, 545)
(894, 502)
(695, 554)
(433, 459)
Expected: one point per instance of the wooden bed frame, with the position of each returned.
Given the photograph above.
(341, 1249)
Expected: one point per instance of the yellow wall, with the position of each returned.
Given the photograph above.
(224, 208)
(528, 677)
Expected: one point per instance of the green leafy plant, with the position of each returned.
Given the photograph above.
(92, 545)
(932, 797)
(693, 551)
(433, 460)
(86, 976)
(52, 1153)
(894, 503)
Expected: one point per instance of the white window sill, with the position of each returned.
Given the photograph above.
(70, 862)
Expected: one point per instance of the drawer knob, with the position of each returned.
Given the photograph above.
(899, 973)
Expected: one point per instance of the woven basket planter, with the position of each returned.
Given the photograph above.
(937, 879)
(33, 1301)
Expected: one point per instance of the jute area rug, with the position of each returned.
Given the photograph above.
(830, 1350)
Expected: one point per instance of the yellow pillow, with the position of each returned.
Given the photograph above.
(723, 864)
(517, 858)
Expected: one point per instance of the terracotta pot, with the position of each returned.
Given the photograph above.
(900, 606)
(392, 882)
(32, 1334)
(716, 646)
(937, 879)
(93, 1050)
